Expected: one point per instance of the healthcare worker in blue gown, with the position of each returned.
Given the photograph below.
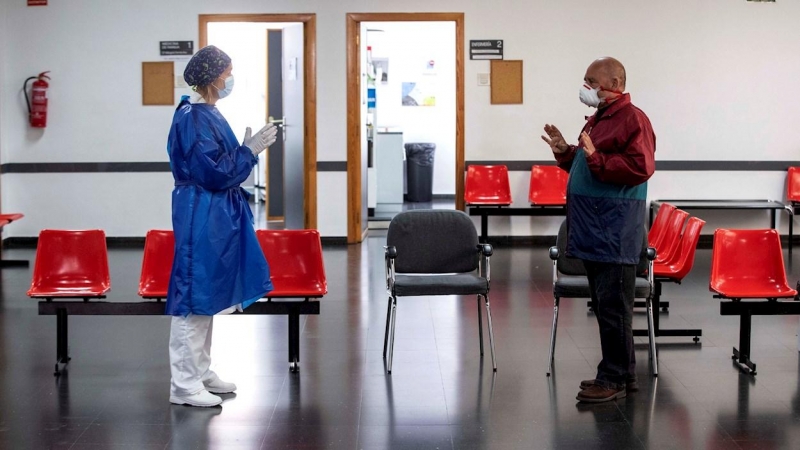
(218, 265)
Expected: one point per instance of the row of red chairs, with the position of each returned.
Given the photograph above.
(489, 186)
(74, 264)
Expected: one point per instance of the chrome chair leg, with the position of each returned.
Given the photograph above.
(652, 336)
(386, 335)
(552, 354)
(491, 333)
(391, 332)
(480, 323)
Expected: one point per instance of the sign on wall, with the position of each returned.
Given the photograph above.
(37, 2)
(486, 49)
(177, 48)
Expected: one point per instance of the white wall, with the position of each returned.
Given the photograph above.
(713, 75)
(409, 46)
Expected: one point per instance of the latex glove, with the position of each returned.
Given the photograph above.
(261, 140)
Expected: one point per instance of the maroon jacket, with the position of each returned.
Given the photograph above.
(607, 192)
(625, 144)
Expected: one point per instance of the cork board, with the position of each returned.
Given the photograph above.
(158, 83)
(506, 82)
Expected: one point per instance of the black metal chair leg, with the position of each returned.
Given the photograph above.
(386, 334)
(480, 324)
(62, 341)
(294, 341)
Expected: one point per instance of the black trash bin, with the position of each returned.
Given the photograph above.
(419, 171)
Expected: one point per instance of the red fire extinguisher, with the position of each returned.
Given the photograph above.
(37, 104)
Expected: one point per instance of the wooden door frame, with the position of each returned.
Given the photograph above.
(309, 22)
(354, 187)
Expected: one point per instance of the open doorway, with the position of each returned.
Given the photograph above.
(275, 71)
(420, 80)
(410, 119)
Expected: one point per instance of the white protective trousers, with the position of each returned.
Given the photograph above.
(190, 354)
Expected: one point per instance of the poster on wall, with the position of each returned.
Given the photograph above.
(420, 93)
(381, 70)
(37, 2)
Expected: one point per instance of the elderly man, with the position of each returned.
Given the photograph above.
(606, 198)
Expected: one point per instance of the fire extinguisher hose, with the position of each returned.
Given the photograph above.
(25, 91)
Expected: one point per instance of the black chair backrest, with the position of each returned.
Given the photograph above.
(574, 266)
(434, 241)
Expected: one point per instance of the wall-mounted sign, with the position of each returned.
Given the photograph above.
(37, 2)
(177, 48)
(486, 49)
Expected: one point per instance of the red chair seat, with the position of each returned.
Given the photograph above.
(4, 223)
(681, 265)
(295, 263)
(548, 186)
(671, 238)
(487, 186)
(159, 252)
(748, 264)
(71, 264)
(11, 217)
(656, 234)
(793, 185)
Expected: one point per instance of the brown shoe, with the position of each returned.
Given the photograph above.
(599, 394)
(631, 386)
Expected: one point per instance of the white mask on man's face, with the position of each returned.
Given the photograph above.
(590, 96)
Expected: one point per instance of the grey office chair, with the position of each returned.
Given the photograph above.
(435, 252)
(569, 280)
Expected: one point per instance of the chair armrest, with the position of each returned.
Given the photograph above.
(651, 254)
(554, 254)
(486, 249)
(390, 251)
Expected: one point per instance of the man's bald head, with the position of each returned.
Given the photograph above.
(607, 72)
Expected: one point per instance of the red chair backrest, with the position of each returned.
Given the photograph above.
(672, 236)
(684, 259)
(71, 263)
(656, 234)
(748, 264)
(793, 184)
(295, 262)
(548, 186)
(159, 252)
(487, 185)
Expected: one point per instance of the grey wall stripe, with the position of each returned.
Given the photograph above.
(85, 167)
(131, 167)
(341, 166)
(331, 166)
(752, 166)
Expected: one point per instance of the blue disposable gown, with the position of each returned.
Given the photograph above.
(218, 261)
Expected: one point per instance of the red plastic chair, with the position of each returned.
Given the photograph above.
(3, 223)
(295, 262)
(71, 264)
(548, 186)
(159, 252)
(793, 185)
(487, 186)
(682, 264)
(655, 236)
(672, 236)
(11, 217)
(748, 264)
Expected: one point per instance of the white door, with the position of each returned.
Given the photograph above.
(293, 131)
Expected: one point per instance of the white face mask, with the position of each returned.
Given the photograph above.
(589, 96)
(226, 91)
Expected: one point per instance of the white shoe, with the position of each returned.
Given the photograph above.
(218, 386)
(203, 399)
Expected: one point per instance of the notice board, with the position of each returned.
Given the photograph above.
(158, 83)
(506, 82)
